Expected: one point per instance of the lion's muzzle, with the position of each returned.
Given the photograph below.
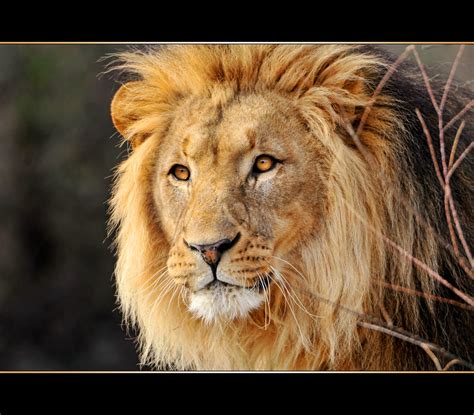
(212, 253)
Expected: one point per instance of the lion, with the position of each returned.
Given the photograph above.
(266, 220)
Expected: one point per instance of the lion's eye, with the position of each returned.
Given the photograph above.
(263, 164)
(180, 172)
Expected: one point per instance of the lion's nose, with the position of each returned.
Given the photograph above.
(212, 253)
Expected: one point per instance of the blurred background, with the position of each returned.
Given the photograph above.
(58, 148)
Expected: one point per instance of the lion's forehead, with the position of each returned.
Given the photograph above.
(206, 130)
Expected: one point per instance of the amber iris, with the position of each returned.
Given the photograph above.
(263, 163)
(180, 172)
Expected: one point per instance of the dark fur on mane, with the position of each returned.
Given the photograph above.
(450, 327)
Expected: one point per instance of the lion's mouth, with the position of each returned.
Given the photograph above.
(260, 285)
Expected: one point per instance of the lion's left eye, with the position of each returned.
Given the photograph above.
(180, 172)
(263, 164)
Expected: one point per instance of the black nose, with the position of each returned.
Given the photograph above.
(212, 253)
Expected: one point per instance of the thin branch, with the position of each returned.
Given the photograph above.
(429, 271)
(386, 316)
(373, 323)
(453, 209)
(455, 144)
(431, 147)
(369, 158)
(461, 260)
(445, 186)
(442, 146)
(450, 78)
(459, 160)
(414, 260)
(452, 233)
(453, 249)
(427, 81)
(457, 223)
(410, 338)
(448, 170)
(459, 115)
(424, 345)
(465, 267)
(432, 356)
(438, 298)
(355, 137)
(380, 86)
(449, 202)
(448, 195)
(451, 363)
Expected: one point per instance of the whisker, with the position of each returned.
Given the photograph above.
(159, 299)
(176, 290)
(152, 282)
(295, 297)
(156, 261)
(158, 282)
(266, 296)
(303, 337)
(265, 324)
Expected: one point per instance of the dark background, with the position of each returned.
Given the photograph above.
(58, 149)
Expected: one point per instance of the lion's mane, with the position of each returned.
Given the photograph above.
(382, 188)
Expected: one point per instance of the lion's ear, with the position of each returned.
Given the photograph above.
(125, 111)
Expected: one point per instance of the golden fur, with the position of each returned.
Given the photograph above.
(318, 233)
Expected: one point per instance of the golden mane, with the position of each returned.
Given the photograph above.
(342, 272)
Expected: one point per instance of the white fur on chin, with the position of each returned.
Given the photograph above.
(229, 303)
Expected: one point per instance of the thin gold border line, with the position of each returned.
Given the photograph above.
(227, 43)
(217, 43)
(223, 371)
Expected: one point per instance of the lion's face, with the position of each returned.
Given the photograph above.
(238, 186)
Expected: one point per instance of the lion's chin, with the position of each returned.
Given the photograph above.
(224, 302)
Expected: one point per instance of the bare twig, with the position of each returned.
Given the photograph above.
(429, 271)
(431, 147)
(380, 86)
(386, 316)
(459, 160)
(355, 137)
(459, 115)
(421, 265)
(373, 323)
(410, 338)
(427, 81)
(455, 144)
(453, 208)
(432, 356)
(441, 108)
(457, 223)
(453, 249)
(369, 158)
(452, 233)
(451, 363)
(461, 260)
(450, 208)
(448, 169)
(425, 295)
(450, 78)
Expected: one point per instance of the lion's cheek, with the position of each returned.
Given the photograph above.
(168, 210)
(291, 226)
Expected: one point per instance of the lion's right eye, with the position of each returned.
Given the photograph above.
(180, 172)
(264, 163)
